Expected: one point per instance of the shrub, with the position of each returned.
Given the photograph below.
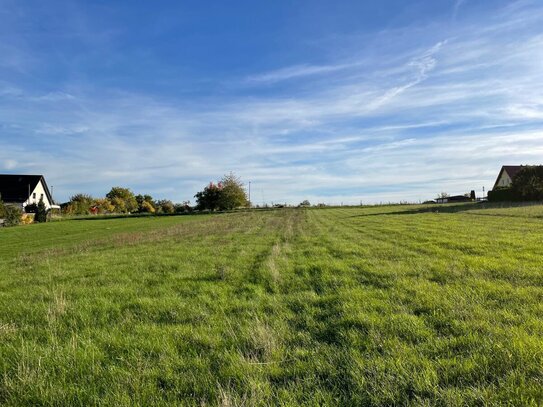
(12, 215)
(183, 207)
(41, 213)
(503, 195)
(31, 208)
(2, 209)
(528, 183)
(27, 218)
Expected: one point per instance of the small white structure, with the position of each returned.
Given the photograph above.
(23, 190)
(506, 175)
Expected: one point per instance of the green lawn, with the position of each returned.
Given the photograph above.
(404, 305)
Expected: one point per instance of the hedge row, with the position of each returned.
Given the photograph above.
(504, 195)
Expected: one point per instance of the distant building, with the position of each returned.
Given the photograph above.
(455, 198)
(23, 190)
(506, 175)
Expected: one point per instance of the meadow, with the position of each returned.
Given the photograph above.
(377, 306)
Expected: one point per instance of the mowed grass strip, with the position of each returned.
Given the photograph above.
(24, 240)
(344, 306)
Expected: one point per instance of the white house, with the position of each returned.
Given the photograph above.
(506, 175)
(23, 190)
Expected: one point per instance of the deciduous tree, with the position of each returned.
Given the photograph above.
(122, 199)
(104, 205)
(233, 193)
(79, 204)
(228, 193)
(146, 203)
(208, 198)
(165, 206)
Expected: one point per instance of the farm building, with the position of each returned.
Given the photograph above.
(23, 190)
(506, 175)
(455, 198)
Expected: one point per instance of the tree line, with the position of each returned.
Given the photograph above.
(228, 193)
(120, 200)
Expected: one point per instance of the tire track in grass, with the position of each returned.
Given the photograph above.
(259, 348)
(318, 351)
(267, 267)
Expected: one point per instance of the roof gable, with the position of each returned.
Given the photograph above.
(17, 188)
(511, 170)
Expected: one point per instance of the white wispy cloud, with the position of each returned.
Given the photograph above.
(422, 65)
(297, 71)
(456, 8)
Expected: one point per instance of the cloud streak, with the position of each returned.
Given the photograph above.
(456, 8)
(297, 71)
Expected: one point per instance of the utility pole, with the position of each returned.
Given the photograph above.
(250, 204)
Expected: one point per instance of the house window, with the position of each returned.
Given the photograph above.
(34, 195)
(41, 197)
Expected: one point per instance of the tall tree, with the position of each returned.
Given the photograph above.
(233, 193)
(208, 198)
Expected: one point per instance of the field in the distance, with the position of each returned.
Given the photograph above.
(345, 306)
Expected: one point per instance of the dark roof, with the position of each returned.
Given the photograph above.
(511, 170)
(459, 198)
(17, 188)
(454, 198)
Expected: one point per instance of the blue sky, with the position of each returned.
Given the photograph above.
(328, 101)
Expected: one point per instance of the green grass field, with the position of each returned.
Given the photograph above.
(398, 305)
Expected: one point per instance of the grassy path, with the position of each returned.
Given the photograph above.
(364, 306)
